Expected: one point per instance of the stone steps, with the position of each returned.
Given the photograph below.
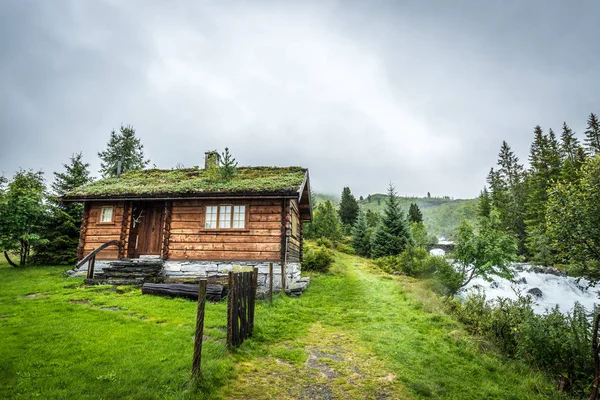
(129, 272)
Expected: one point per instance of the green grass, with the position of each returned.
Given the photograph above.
(196, 180)
(355, 333)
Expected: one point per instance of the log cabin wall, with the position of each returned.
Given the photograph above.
(97, 233)
(294, 229)
(260, 240)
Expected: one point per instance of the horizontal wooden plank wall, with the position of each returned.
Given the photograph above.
(259, 241)
(97, 234)
(294, 241)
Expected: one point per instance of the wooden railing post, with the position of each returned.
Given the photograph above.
(197, 361)
(230, 310)
(271, 283)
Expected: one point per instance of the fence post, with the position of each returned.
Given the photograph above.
(91, 263)
(271, 283)
(253, 289)
(230, 306)
(196, 370)
(283, 277)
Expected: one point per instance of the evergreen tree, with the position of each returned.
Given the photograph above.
(572, 154)
(392, 235)
(325, 224)
(428, 195)
(348, 210)
(126, 147)
(361, 237)
(484, 205)
(418, 232)
(22, 211)
(373, 218)
(592, 135)
(228, 167)
(60, 229)
(545, 167)
(508, 194)
(414, 214)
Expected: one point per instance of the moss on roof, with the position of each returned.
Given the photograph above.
(190, 181)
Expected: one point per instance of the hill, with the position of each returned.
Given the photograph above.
(440, 215)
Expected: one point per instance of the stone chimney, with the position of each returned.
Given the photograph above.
(211, 158)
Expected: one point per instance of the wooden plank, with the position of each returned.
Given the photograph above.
(271, 283)
(249, 232)
(83, 230)
(248, 202)
(199, 225)
(274, 247)
(102, 231)
(101, 239)
(230, 312)
(264, 218)
(224, 239)
(224, 255)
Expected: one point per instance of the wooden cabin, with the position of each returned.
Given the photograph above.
(196, 222)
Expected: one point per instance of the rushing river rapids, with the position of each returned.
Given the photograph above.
(547, 287)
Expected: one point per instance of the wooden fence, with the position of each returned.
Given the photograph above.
(240, 306)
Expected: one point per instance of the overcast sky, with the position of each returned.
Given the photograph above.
(420, 93)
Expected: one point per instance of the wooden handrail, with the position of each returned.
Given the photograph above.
(91, 258)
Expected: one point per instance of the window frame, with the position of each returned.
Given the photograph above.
(112, 215)
(231, 213)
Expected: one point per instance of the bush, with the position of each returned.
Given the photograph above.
(559, 343)
(387, 264)
(345, 248)
(450, 279)
(328, 243)
(319, 259)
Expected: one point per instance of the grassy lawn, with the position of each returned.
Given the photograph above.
(354, 334)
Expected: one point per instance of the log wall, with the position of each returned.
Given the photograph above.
(260, 240)
(294, 229)
(96, 234)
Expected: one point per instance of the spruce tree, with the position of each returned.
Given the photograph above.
(348, 208)
(325, 224)
(414, 214)
(572, 155)
(592, 135)
(60, 230)
(124, 146)
(228, 167)
(392, 236)
(361, 237)
(373, 218)
(484, 205)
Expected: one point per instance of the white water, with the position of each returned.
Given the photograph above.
(556, 290)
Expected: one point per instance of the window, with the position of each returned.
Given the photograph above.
(106, 215)
(225, 217)
(211, 217)
(239, 217)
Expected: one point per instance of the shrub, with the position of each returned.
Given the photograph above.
(345, 248)
(387, 264)
(319, 259)
(325, 242)
(446, 275)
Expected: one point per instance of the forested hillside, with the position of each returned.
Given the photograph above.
(440, 215)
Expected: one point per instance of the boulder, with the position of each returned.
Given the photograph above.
(535, 292)
(522, 281)
(494, 285)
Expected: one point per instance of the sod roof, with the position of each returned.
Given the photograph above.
(190, 182)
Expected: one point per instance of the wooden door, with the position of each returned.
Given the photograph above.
(150, 229)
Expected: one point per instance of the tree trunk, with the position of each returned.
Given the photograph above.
(12, 264)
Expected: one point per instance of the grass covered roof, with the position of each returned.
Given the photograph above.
(194, 181)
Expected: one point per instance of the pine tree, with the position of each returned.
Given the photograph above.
(392, 235)
(414, 214)
(361, 237)
(373, 218)
(124, 146)
(325, 224)
(484, 205)
(572, 155)
(348, 210)
(60, 230)
(592, 135)
(228, 167)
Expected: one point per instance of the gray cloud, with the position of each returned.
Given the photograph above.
(420, 93)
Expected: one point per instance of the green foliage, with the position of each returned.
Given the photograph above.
(557, 342)
(22, 211)
(412, 262)
(228, 167)
(484, 205)
(414, 214)
(322, 241)
(195, 180)
(126, 147)
(572, 153)
(419, 234)
(392, 236)
(450, 279)
(348, 210)
(373, 218)
(318, 260)
(60, 228)
(346, 249)
(483, 253)
(592, 135)
(361, 236)
(325, 224)
(573, 217)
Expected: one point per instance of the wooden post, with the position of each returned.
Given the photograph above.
(283, 277)
(253, 288)
(196, 370)
(91, 263)
(230, 307)
(271, 283)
